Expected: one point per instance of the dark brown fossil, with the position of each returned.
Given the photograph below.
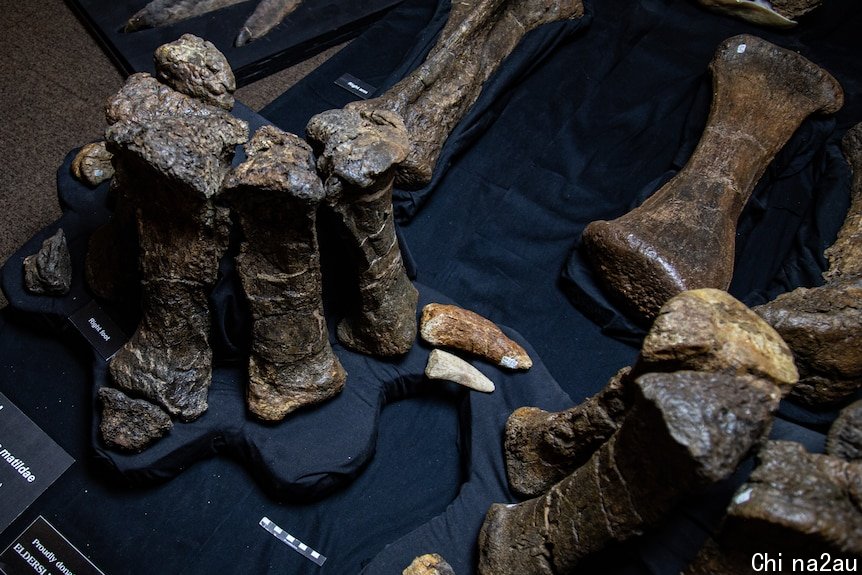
(275, 194)
(476, 39)
(358, 152)
(845, 435)
(683, 236)
(685, 430)
(130, 424)
(49, 271)
(196, 68)
(173, 151)
(823, 325)
(92, 165)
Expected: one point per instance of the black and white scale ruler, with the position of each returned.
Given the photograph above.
(292, 541)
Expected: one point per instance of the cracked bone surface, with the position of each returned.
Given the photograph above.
(455, 327)
(823, 325)
(845, 435)
(357, 154)
(275, 194)
(173, 151)
(92, 164)
(429, 564)
(478, 35)
(685, 430)
(446, 366)
(775, 13)
(196, 68)
(701, 330)
(49, 271)
(683, 236)
(130, 424)
(796, 504)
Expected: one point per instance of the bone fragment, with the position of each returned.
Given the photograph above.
(459, 328)
(196, 68)
(684, 431)
(700, 330)
(823, 325)
(845, 435)
(130, 424)
(683, 236)
(774, 13)
(357, 155)
(174, 152)
(275, 194)
(166, 12)
(429, 564)
(446, 366)
(266, 16)
(478, 36)
(49, 271)
(92, 164)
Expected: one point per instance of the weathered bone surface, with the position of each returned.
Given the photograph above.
(775, 13)
(699, 330)
(266, 16)
(49, 271)
(446, 366)
(166, 12)
(685, 430)
(452, 326)
(174, 152)
(196, 68)
(823, 325)
(429, 564)
(845, 435)
(130, 424)
(275, 194)
(357, 153)
(432, 100)
(683, 236)
(92, 164)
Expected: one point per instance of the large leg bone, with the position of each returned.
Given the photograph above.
(700, 330)
(823, 325)
(685, 430)
(358, 156)
(682, 237)
(432, 100)
(174, 152)
(275, 193)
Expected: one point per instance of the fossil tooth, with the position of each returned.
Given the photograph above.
(452, 326)
(444, 365)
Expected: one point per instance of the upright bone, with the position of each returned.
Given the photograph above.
(683, 236)
(685, 430)
(275, 193)
(173, 152)
(478, 36)
(358, 152)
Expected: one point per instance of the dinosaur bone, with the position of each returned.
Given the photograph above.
(196, 68)
(823, 325)
(130, 424)
(685, 430)
(92, 164)
(478, 36)
(449, 367)
(49, 271)
(776, 13)
(452, 326)
(358, 152)
(174, 152)
(845, 435)
(275, 194)
(683, 236)
(429, 564)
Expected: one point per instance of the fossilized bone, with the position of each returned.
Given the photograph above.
(685, 430)
(196, 68)
(845, 435)
(702, 330)
(776, 13)
(173, 152)
(131, 424)
(444, 365)
(358, 152)
(823, 325)
(432, 99)
(683, 236)
(275, 193)
(452, 326)
(49, 271)
(267, 15)
(795, 505)
(429, 564)
(92, 164)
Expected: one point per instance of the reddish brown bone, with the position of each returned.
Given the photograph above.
(682, 237)
(275, 193)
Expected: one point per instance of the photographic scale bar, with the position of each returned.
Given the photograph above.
(292, 541)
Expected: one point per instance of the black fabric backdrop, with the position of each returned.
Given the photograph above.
(582, 122)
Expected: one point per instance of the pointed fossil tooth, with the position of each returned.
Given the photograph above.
(459, 328)
(444, 365)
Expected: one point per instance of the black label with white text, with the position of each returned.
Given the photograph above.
(42, 550)
(99, 329)
(356, 86)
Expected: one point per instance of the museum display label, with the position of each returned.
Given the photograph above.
(99, 329)
(355, 86)
(44, 550)
(30, 461)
